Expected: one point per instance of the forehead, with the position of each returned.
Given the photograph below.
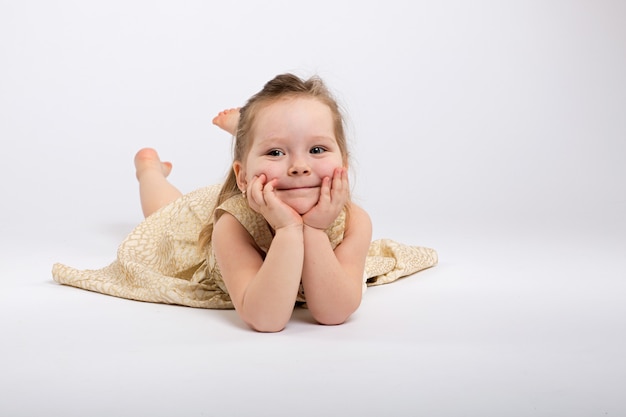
(293, 115)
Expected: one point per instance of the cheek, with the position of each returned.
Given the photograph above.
(269, 170)
(327, 168)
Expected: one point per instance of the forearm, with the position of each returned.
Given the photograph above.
(270, 297)
(332, 292)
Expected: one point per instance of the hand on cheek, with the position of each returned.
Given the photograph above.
(334, 195)
(263, 200)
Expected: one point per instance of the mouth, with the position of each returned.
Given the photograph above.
(297, 188)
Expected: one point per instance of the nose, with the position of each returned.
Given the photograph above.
(299, 167)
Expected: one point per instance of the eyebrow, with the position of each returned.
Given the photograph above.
(271, 140)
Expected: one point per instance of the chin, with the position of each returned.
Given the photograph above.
(302, 201)
(302, 207)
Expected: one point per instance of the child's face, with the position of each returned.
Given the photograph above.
(294, 144)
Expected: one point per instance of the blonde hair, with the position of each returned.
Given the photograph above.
(280, 87)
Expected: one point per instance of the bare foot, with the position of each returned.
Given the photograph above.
(227, 120)
(147, 159)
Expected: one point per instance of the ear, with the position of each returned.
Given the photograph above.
(240, 174)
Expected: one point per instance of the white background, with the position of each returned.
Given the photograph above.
(494, 132)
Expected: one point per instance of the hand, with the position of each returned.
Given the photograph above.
(334, 194)
(263, 200)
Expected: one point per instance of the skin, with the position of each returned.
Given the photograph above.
(294, 176)
(227, 120)
(155, 191)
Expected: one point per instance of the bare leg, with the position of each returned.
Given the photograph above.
(155, 191)
(227, 120)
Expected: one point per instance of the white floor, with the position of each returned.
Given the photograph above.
(527, 326)
(493, 133)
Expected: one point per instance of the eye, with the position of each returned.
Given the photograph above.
(275, 152)
(317, 150)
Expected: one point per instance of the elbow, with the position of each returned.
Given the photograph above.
(331, 320)
(267, 325)
(264, 317)
(335, 316)
(267, 328)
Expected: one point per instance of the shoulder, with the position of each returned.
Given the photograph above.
(229, 233)
(358, 222)
(356, 239)
(237, 210)
(357, 215)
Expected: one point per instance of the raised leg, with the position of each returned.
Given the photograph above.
(155, 191)
(227, 120)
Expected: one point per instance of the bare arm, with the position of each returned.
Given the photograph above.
(333, 280)
(263, 291)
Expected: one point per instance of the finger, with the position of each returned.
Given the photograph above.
(345, 181)
(256, 190)
(338, 185)
(268, 187)
(337, 179)
(325, 190)
(341, 188)
(269, 193)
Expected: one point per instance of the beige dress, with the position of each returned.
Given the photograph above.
(160, 261)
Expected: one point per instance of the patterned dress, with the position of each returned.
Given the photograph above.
(160, 260)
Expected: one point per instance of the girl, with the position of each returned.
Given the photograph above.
(281, 226)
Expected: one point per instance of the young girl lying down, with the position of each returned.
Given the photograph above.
(280, 231)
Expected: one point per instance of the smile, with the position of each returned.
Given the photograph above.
(297, 188)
